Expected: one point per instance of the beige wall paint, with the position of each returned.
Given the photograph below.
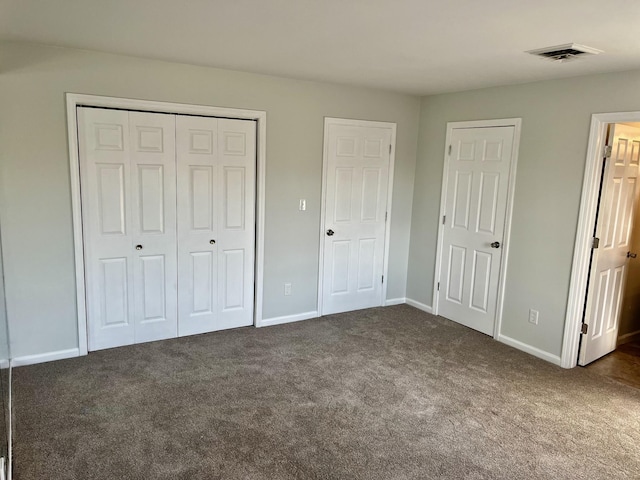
(556, 117)
(35, 202)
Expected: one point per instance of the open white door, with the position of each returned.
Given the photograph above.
(357, 172)
(607, 277)
(475, 205)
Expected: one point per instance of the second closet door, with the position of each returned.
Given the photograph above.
(216, 224)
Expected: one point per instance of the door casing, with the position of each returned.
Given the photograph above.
(74, 100)
(506, 122)
(325, 151)
(584, 234)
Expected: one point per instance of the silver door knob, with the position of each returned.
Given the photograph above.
(495, 245)
(631, 255)
(330, 232)
(138, 247)
(212, 241)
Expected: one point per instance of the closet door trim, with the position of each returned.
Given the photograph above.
(74, 101)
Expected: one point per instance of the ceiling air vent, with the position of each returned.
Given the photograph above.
(564, 53)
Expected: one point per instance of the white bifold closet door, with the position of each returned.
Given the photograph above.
(168, 226)
(129, 218)
(216, 197)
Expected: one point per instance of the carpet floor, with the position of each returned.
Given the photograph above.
(385, 393)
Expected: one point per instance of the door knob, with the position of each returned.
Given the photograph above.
(138, 247)
(631, 255)
(212, 241)
(330, 232)
(495, 245)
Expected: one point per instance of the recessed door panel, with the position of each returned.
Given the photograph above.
(366, 264)
(153, 289)
(233, 279)
(201, 205)
(462, 199)
(202, 287)
(111, 198)
(151, 189)
(234, 198)
(343, 194)
(340, 267)
(457, 264)
(480, 278)
(617, 286)
(115, 292)
(492, 151)
(370, 194)
(488, 202)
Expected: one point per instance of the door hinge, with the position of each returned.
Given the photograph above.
(438, 286)
(382, 281)
(444, 219)
(584, 329)
(449, 149)
(595, 243)
(607, 151)
(390, 149)
(386, 215)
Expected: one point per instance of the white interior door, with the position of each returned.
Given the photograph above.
(474, 219)
(216, 223)
(613, 229)
(356, 188)
(128, 197)
(153, 223)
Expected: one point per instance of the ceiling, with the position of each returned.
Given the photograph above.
(412, 46)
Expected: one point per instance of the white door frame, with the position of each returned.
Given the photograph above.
(584, 234)
(392, 157)
(79, 100)
(504, 122)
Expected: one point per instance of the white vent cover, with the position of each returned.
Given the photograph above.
(564, 53)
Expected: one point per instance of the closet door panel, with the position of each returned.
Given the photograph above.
(237, 163)
(216, 223)
(153, 184)
(197, 174)
(104, 149)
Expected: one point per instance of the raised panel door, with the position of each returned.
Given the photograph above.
(355, 211)
(475, 208)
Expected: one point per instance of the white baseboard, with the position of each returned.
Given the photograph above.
(420, 306)
(394, 301)
(288, 319)
(44, 357)
(536, 352)
(629, 337)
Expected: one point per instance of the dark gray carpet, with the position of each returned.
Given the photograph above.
(389, 393)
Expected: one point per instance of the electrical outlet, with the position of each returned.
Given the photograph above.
(287, 289)
(303, 205)
(533, 316)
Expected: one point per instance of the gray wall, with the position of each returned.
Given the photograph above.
(4, 331)
(556, 117)
(35, 207)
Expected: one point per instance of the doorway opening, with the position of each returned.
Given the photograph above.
(610, 337)
(603, 314)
